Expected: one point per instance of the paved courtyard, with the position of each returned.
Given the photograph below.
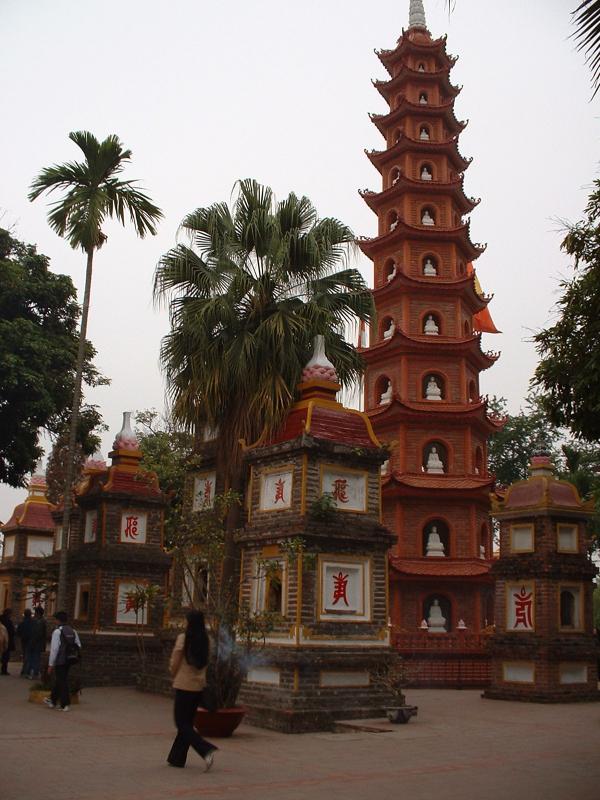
(114, 745)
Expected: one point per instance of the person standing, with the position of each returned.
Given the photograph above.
(188, 669)
(24, 635)
(6, 620)
(37, 643)
(64, 648)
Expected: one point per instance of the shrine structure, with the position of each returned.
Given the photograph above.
(115, 545)
(425, 356)
(544, 648)
(314, 553)
(28, 539)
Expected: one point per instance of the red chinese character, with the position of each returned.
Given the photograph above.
(207, 500)
(340, 585)
(131, 527)
(36, 598)
(279, 486)
(523, 606)
(129, 604)
(340, 486)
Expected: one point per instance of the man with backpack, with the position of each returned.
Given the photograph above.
(64, 652)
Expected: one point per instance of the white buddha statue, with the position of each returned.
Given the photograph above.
(396, 178)
(389, 331)
(431, 327)
(432, 390)
(386, 397)
(429, 267)
(435, 621)
(424, 134)
(421, 68)
(394, 225)
(426, 176)
(393, 272)
(435, 546)
(481, 551)
(427, 219)
(423, 99)
(385, 467)
(435, 465)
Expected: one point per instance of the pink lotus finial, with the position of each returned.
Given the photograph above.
(126, 438)
(319, 367)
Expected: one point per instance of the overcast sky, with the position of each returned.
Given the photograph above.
(205, 93)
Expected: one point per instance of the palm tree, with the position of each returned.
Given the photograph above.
(247, 296)
(94, 192)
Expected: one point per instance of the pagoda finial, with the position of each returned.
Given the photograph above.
(416, 15)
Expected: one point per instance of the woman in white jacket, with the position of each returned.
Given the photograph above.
(188, 669)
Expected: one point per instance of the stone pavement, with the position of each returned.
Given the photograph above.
(114, 745)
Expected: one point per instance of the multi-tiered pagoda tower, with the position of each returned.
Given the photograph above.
(424, 360)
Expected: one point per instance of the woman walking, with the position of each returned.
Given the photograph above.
(188, 669)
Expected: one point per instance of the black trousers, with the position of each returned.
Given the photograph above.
(186, 704)
(60, 690)
(4, 659)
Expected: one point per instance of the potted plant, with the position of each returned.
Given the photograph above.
(394, 677)
(199, 550)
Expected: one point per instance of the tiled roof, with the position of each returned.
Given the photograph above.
(440, 567)
(542, 491)
(427, 481)
(327, 420)
(31, 515)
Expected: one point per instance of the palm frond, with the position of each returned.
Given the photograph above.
(586, 19)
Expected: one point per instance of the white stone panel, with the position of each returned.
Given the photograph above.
(518, 671)
(567, 538)
(133, 526)
(126, 615)
(344, 678)
(521, 538)
(520, 606)
(348, 489)
(39, 546)
(204, 491)
(573, 673)
(9, 547)
(345, 589)
(270, 675)
(276, 490)
(90, 532)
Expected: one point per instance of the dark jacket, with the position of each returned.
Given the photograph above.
(10, 629)
(39, 634)
(24, 631)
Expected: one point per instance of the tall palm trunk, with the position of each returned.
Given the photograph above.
(61, 598)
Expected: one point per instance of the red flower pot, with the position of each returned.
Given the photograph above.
(220, 723)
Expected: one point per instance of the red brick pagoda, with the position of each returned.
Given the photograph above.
(423, 364)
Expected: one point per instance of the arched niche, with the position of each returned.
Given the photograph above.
(445, 606)
(478, 460)
(394, 175)
(568, 609)
(483, 541)
(433, 387)
(387, 327)
(439, 527)
(431, 324)
(397, 135)
(424, 133)
(426, 171)
(421, 67)
(392, 220)
(390, 269)
(428, 216)
(429, 265)
(423, 98)
(383, 390)
(435, 458)
(472, 391)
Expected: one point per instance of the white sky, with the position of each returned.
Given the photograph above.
(205, 93)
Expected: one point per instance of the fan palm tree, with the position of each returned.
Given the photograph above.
(247, 295)
(94, 192)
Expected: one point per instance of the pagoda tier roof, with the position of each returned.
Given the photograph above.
(35, 514)
(405, 184)
(469, 347)
(425, 485)
(440, 567)
(416, 43)
(400, 411)
(433, 234)
(446, 110)
(388, 88)
(433, 286)
(428, 147)
(444, 568)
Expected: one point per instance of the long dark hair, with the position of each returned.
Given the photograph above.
(196, 640)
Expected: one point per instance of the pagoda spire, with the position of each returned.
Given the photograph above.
(416, 15)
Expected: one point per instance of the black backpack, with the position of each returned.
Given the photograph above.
(69, 646)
